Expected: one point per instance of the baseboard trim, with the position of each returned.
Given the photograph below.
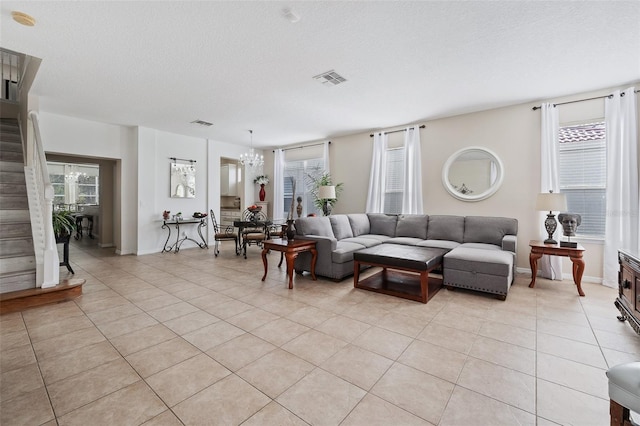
(20, 300)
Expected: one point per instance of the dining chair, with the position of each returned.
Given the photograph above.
(256, 231)
(228, 234)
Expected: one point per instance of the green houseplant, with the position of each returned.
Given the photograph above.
(63, 225)
(322, 178)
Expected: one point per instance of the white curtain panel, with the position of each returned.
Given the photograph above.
(412, 197)
(549, 266)
(622, 218)
(325, 155)
(375, 196)
(278, 184)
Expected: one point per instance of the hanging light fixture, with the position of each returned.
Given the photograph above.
(251, 159)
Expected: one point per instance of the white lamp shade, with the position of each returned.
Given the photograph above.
(551, 201)
(327, 192)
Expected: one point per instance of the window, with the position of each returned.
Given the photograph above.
(582, 162)
(74, 184)
(394, 181)
(300, 170)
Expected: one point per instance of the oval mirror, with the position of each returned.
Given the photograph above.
(472, 174)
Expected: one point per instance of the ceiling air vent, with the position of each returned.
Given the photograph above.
(330, 78)
(202, 123)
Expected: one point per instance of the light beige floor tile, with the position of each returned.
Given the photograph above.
(75, 391)
(467, 407)
(228, 309)
(133, 404)
(567, 406)
(170, 312)
(509, 334)
(321, 398)
(373, 411)
(402, 324)
(213, 335)
(127, 325)
(159, 357)
(144, 338)
(571, 349)
(67, 342)
(383, 342)
(157, 302)
(210, 300)
(190, 322)
(59, 328)
(628, 342)
(280, 331)
(435, 360)
(190, 293)
(450, 338)
(10, 323)
(32, 408)
(506, 385)
(310, 316)
(358, 366)
(573, 375)
(563, 315)
(15, 339)
(275, 372)
(617, 357)
(516, 319)
(568, 331)
(274, 414)
(229, 402)
(166, 418)
(343, 328)
(185, 379)
(145, 294)
(17, 357)
(505, 354)
(471, 325)
(252, 319)
(423, 312)
(114, 314)
(240, 351)
(20, 381)
(79, 360)
(314, 346)
(419, 393)
(544, 422)
(103, 304)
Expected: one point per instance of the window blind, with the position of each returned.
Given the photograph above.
(394, 186)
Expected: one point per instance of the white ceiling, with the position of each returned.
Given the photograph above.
(242, 65)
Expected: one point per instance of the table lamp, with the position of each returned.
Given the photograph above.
(551, 202)
(327, 193)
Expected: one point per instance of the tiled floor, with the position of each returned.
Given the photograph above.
(187, 338)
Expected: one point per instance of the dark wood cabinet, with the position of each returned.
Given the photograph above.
(628, 301)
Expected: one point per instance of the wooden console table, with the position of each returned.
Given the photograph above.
(291, 249)
(175, 247)
(538, 248)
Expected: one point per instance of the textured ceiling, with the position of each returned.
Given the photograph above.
(243, 65)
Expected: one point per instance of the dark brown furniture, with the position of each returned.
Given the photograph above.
(290, 249)
(538, 248)
(219, 234)
(409, 275)
(628, 301)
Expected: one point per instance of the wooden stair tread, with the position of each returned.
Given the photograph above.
(24, 299)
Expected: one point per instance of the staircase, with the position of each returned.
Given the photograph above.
(17, 258)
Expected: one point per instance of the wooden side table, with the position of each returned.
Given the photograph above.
(538, 248)
(290, 249)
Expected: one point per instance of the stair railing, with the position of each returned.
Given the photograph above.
(41, 194)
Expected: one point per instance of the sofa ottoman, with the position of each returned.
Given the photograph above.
(472, 268)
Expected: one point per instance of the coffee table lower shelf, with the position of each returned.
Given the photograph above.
(402, 284)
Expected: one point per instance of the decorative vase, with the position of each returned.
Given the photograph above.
(291, 230)
(262, 193)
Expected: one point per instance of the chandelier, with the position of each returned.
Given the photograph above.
(251, 159)
(73, 174)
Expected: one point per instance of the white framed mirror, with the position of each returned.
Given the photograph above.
(472, 174)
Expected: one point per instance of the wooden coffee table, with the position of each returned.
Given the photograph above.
(538, 248)
(290, 249)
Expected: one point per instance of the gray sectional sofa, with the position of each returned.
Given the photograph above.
(481, 256)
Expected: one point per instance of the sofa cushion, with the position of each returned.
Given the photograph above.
(412, 225)
(406, 241)
(439, 244)
(341, 226)
(376, 237)
(483, 261)
(359, 223)
(314, 226)
(481, 246)
(344, 251)
(383, 224)
(367, 242)
(489, 230)
(446, 227)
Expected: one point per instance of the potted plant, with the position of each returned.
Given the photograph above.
(63, 225)
(322, 178)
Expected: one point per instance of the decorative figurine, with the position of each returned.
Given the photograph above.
(569, 222)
